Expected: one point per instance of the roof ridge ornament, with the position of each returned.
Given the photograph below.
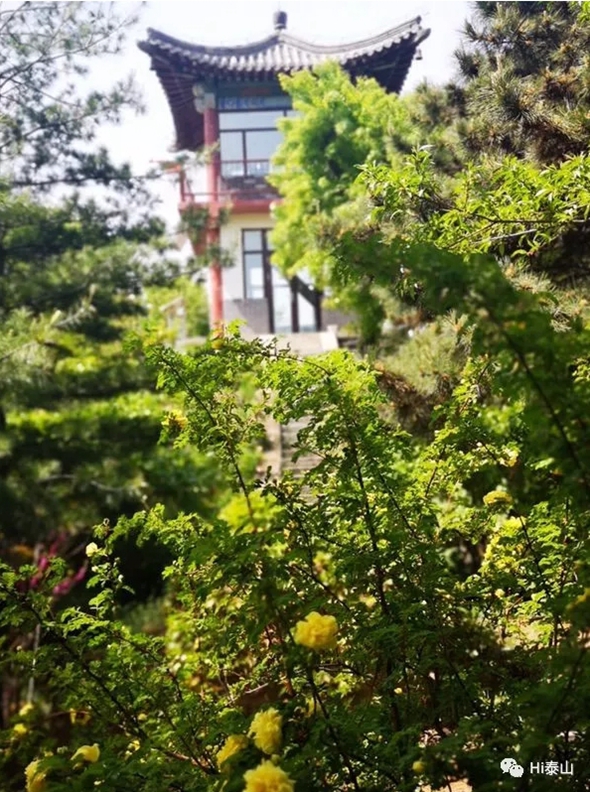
(279, 19)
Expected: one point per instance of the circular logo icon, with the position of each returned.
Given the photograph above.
(511, 766)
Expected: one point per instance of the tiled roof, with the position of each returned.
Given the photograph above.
(178, 64)
(279, 52)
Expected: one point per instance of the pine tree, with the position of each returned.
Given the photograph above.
(525, 79)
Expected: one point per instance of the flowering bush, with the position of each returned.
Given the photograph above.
(448, 629)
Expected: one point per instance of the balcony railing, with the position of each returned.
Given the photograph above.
(246, 180)
(240, 169)
(239, 180)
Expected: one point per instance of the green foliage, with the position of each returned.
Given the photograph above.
(340, 127)
(443, 530)
(498, 160)
(524, 80)
(79, 420)
(46, 123)
(456, 571)
(195, 319)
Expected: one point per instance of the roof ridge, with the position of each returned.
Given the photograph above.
(280, 37)
(393, 32)
(204, 49)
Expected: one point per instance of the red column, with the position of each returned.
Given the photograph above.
(211, 135)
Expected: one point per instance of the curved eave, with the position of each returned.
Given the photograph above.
(163, 43)
(178, 88)
(388, 61)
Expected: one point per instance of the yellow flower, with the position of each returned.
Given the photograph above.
(25, 710)
(19, 730)
(317, 632)
(80, 718)
(35, 779)
(90, 753)
(133, 746)
(267, 777)
(233, 745)
(91, 549)
(175, 421)
(419, 767)
(497, 497)
(266, 729)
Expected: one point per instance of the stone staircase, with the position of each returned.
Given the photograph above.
(283, 439)
(288, 445)
(289, 434)
(305, 344)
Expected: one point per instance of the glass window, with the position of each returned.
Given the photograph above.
(253, 260)
(281, 297)
(258, 168)
(253, 264)
(232, 153)
(256, 278)
(253, 240)
(233, 170)
(263, 119)
(306, 315)
(278, 279)
(262, 145)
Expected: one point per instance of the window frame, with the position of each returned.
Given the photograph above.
(284, 112)
(265, 251)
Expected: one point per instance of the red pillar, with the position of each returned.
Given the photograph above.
(211, 135)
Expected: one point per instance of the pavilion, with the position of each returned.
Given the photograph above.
(229, 98)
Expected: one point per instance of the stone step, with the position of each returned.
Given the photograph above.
(289, 445)
(304, 344)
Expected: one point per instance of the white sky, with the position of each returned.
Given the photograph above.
(141, 140)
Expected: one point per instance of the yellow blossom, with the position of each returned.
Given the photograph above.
(90, 753)
(91, 549)
(19, 730)
(419, 767)
(233, 745)
(133, 746)
(35, 778)
(79, 717)
(317, 632)
(25, 710)
(175, 421)
(267, 777)
(266, 729)
(497, 497)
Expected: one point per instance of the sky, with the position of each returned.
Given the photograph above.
(142, 140)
